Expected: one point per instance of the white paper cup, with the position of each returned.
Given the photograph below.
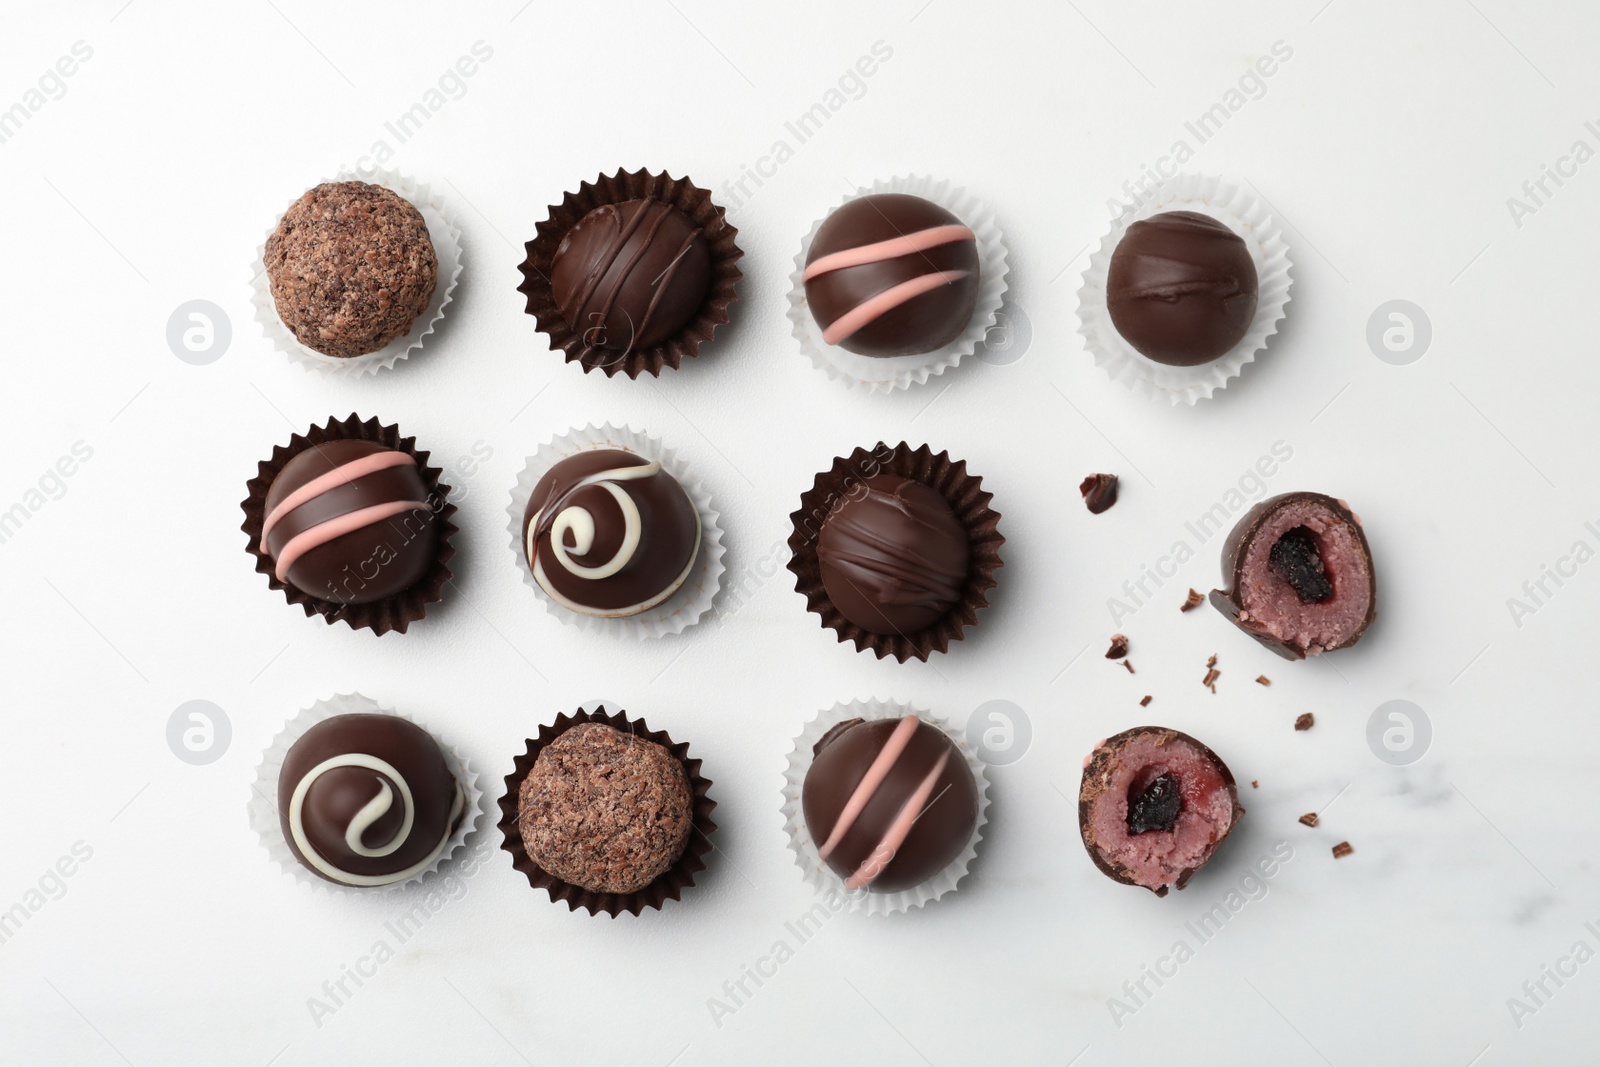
(692, 600)
(1244, 214)
(885, 374)
(263, 806)
(446, 239)
(815, 871)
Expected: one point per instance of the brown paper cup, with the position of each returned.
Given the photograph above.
(670, 885)
(965, 495)
(397, 612)
(618, 188)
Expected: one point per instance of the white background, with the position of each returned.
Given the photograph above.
(1388, 144)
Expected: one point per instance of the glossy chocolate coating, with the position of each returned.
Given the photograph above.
(630, 276)
(894, 556)
(350, 791)
(650, 572)
(944, 821)
(372, 562)
(1234, 550)
(924, 322)
(1182, 288)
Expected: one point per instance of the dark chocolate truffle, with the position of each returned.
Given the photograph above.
(630, 276)
(894, 556)
(890, 802)
(1299, 575)
(351, 266)
(368, 800)
(1181, 288)
(1153, 807)
(604, 810)
(609, 533)
(349, 521)
(892, 275)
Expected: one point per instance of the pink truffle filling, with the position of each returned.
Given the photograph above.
(1271, 605)
(1157, 858)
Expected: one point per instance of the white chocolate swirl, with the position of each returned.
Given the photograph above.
(580, 523)
(370, 813)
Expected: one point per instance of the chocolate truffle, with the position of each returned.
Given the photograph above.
(605, 810)
(889, 803)
(630, 276)
(894, 556)
(609, 533)
(1181, 288)
(368, 800)
(349, 521)
(351, 267)
(892, 275)
(1299, 575)
(1153, 807)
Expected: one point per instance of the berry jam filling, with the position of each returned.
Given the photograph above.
(1156, 808)
(1295, 559)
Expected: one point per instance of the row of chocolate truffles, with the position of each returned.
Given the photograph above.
(884, 805)
(894, 548)
(636, 271)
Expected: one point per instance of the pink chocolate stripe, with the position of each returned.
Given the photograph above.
(323, 532)
(343, 474)
(896, 835)
(869, 311)
(870, 782)
(893, 248)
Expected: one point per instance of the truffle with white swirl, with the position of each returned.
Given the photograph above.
(609, 533)
(368, 800)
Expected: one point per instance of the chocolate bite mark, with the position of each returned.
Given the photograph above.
(1296, 560)
(1156, 807)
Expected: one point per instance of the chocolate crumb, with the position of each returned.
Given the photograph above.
(1255, 783)
(1119, 647)
(1128, 663)
(1309, 818)
(1305, 722)
(1212, 662)
(1193, 601)
(1145, 703)
(1342, 849)
(1262, 679)
(1210, 680)
(1099, 492)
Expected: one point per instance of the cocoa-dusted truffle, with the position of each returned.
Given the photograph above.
(351, 266)
(890, 802)
(1153, 807)
(605, 810)
(1181, 288)
(1299, 575)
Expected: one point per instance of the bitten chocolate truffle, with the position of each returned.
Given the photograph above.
(1299, 575)
(630, 276)
(889, 802)
(351, 266)
(604, 810)
(368, 800)
(1153, 807)
(1181, 288)
(893, 557)
(609, 533)
(892, 275)
(349, 521)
